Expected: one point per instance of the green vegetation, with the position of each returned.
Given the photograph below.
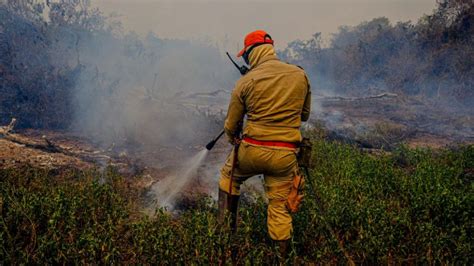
(410, 206)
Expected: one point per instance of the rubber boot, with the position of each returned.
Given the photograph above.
(234, 209)
(222, 206)
(228, 204)
(282, 246)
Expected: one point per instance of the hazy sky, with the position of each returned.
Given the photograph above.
(227, 21)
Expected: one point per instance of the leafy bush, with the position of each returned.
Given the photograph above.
(408, 206)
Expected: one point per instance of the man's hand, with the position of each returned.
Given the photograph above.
(236, 141)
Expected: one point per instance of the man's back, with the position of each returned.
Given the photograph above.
(274, 97)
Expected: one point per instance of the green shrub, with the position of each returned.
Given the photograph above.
(408, 206)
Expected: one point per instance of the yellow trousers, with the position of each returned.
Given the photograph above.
(279, 166)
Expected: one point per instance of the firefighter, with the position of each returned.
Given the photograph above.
(275, 97)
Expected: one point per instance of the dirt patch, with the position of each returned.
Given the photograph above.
(14, 155)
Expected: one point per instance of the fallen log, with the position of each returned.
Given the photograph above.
(5, 132)
(207, 94)
(47, 145)
(339, 98)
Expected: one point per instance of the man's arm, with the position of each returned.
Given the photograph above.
(235, 114)
(307, 104)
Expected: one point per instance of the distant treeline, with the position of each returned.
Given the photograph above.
(63, 62)
(433, 57)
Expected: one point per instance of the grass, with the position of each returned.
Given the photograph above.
(409, 206)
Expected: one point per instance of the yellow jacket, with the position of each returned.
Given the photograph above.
(274, 95)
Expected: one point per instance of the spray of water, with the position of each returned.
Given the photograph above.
(164, 192)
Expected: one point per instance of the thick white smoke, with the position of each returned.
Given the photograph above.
(147, 91)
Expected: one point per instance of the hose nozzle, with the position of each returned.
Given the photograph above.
(211, 144)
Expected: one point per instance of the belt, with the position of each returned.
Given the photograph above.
(270, 143)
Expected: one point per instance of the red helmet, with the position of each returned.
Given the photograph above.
(253, 38)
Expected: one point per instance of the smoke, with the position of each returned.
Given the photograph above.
(426, 64)
(226, 21)
(146, 92)
(158, 101)
(164, 192)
